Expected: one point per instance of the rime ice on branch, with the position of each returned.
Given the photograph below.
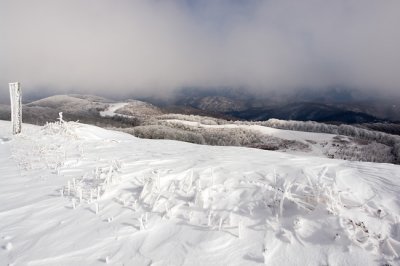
(16, 107)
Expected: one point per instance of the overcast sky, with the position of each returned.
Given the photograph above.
(152, 47)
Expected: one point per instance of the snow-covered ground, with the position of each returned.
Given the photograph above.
(131, 109)
(110, 110)
(73, 194)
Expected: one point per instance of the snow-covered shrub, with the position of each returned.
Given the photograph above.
(307, 126)
(396, 152)
(51, 151)
(346, 130)
(355, 149)
(60, 127)
(92, 186)
(214, 136)
(164, 132)
(206, 120)
(390, 128)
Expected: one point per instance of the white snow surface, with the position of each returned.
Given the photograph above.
(74, 194)
(110, 110)
(132, 109)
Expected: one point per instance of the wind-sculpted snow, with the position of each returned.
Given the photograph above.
(78, 194)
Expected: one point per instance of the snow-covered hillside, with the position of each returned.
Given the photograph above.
(367, 146)
(311, 143)
(132, 108)
(73, 194)
(73, 104)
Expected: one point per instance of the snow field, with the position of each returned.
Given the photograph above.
(110, 110)
(73, 193)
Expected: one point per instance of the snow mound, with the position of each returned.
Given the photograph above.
(73, 193)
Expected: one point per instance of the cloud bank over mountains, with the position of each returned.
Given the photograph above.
(154, 47)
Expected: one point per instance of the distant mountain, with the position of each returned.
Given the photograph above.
(306, 112)
(334, 105)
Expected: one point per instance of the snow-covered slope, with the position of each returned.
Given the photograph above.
(73, 194)
(133, 109)
(110, 110)
(71, 104)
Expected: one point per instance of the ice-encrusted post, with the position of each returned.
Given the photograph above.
(16, 107)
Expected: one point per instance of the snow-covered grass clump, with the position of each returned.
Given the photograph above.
(78, 194)
(50, 149)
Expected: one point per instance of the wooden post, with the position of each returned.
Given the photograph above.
(16, 107)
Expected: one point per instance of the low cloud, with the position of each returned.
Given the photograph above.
(153, 47)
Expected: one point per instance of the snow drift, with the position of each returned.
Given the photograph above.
(77, 194)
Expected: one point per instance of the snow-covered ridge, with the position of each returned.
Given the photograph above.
(78, 194)
(110, 110)
(70, 104)
(131, 109)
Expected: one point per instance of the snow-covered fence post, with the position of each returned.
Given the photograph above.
(16, 107)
